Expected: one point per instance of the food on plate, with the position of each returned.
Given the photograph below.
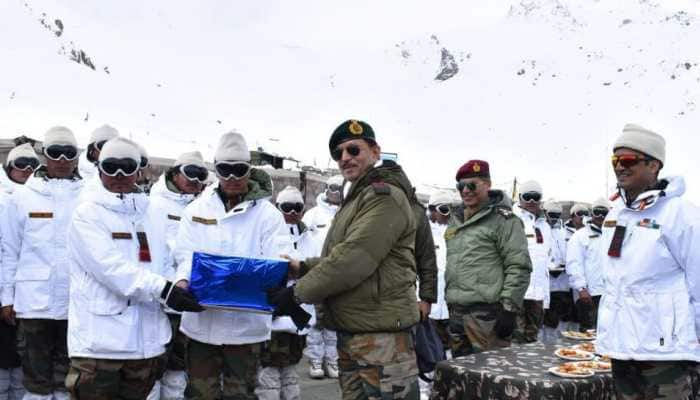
(597, 366)
(588, 346)
(571, 370)
(579, 335)
(568, 353)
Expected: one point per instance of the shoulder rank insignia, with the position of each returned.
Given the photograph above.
(611, 223)
(173, 217)
(204, 221)
(381, 188)
(505, 212)
(121, 235)
(450, 233)
(355, 128)
(40, 215)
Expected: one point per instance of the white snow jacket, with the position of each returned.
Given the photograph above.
(35, 253)
(583, 260)
(7, 186)
(115, 310)
(304, 247)
(559, 241)
(540, 255)
(254, 228)
(319, 219)
(650, 309)
(439, 309)
(169, 206)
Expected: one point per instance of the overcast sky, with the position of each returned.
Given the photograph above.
(543, 87)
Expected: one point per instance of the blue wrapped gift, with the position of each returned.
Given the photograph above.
(237, 283)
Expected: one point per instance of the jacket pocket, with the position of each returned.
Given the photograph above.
(651, 319)
(32, 288)
(115, 333)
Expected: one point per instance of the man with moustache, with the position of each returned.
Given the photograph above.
(488, 265)
(366, 274)
(649, 315)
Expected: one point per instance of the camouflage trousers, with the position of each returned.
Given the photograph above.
(100, 379)
(561, 309)
(471, 329)
(208, 363)
(588, 313)
(44, 351)
(441, 327)
(529, 322)
(9, 357)
(178, 345)
(376, 366)
(646, 380)
(282, 350)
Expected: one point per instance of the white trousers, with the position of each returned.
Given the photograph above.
(321, 345)
(278, 383)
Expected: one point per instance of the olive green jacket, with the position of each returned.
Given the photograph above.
(426, 263)
(366, 276)
(487, 257)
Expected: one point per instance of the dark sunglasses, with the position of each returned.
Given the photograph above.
(600, 212)
(469, 185)
(144, 163)
(232, 169)
(25, 163)
(334, 188)
(628, 160)
(554, 215)
(194, 173)
(337, 153)
(119, 166)
(581, 213)
(288, 208)
(531, 197)
(56, 152)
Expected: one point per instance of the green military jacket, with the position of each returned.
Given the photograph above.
(366, 276)
(426, 263)
(487, 256)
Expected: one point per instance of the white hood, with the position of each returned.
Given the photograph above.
(160, 188)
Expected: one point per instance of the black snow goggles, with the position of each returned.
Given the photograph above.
(600, 212)
(581, 213)
(335, 188)
(194, 173)
(57, 152)
(25, 163)
(99, 145)
(232, 169)
(531, 197)
(289, 208)
(553, 215)
(443, 209)
(116, 166)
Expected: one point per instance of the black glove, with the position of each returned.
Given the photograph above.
(505, 324)
(179, 299)
(285, 304)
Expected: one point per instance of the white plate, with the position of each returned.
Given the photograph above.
(568, 335)
(554, 371)
(583, 355)
(580, 347)
(598, 370)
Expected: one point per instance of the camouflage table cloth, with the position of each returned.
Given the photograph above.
(517, 372)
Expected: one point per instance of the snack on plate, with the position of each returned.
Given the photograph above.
(605, 359)
(568, 353)
(578, 335)
(588, 346)
(571, 370)
(596, 366)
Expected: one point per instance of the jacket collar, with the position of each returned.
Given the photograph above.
(667, 187)
(40, 183)
(164, 188)
(496, 200)
(131, 204)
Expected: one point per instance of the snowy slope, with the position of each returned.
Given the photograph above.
(539, 88)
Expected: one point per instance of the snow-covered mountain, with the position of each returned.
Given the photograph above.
(539, 88)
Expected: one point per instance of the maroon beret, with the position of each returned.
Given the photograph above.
(474, 169)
